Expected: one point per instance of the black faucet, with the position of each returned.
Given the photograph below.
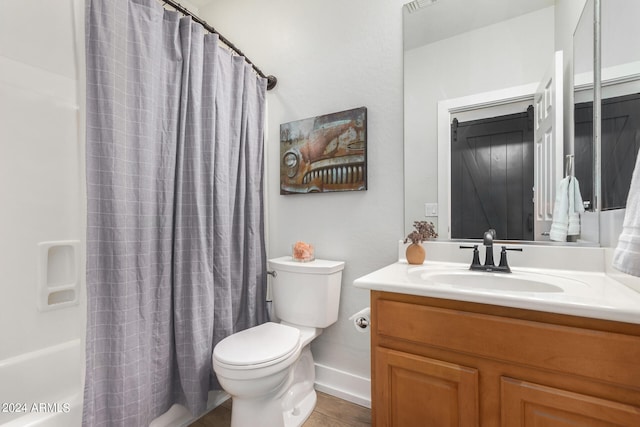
(487, 241)
(489, 265)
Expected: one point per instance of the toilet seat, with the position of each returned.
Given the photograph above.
(261, 346)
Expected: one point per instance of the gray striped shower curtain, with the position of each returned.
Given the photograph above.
(175, 239)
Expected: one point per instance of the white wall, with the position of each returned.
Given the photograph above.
(511, 53)
(620, 41)
(331, 56)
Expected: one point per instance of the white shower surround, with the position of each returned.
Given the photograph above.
(42, 188)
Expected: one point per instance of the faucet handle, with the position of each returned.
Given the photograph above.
(503, 257)
(476, 255)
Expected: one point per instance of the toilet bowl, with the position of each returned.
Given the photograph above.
(268, 369)
(276, 392)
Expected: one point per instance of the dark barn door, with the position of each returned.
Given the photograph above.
(492, 177)
(620, 142)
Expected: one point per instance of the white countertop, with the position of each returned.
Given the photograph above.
(595, 295)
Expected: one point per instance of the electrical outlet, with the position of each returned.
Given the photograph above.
(430, 209)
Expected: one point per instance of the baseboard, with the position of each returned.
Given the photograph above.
(344, 385)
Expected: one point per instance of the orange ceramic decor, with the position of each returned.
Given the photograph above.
(415, 253)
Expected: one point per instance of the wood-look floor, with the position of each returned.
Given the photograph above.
(329, 412)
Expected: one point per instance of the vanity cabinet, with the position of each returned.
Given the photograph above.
(441, 363)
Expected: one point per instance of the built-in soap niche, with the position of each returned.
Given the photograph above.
(58, 276)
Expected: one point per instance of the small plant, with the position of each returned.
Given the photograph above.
(424, 230)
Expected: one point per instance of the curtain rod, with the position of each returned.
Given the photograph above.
(271, 80)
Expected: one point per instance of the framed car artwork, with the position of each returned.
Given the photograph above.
(325, 153)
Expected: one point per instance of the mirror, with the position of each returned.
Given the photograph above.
(479, 61)
(620, 106)
(583, 63)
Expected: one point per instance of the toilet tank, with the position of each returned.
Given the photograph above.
(306, 293)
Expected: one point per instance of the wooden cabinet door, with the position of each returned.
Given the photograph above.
(411, 390)
(527, 404)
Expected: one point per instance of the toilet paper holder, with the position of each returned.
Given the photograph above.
(362, 322)
(362, 319)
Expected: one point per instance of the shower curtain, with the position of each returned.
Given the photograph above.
(175, 239)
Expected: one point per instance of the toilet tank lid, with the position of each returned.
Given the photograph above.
(317, 266)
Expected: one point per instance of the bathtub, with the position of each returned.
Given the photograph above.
(44, 388)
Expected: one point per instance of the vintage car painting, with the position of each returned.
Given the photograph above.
(325, 153)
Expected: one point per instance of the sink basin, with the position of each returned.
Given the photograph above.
(488, 281)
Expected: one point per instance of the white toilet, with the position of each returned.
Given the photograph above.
(269, 369)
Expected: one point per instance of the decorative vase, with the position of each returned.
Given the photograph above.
(415, 253)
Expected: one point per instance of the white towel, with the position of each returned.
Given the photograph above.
(626, 257)
(560, 224)
(575, 207)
